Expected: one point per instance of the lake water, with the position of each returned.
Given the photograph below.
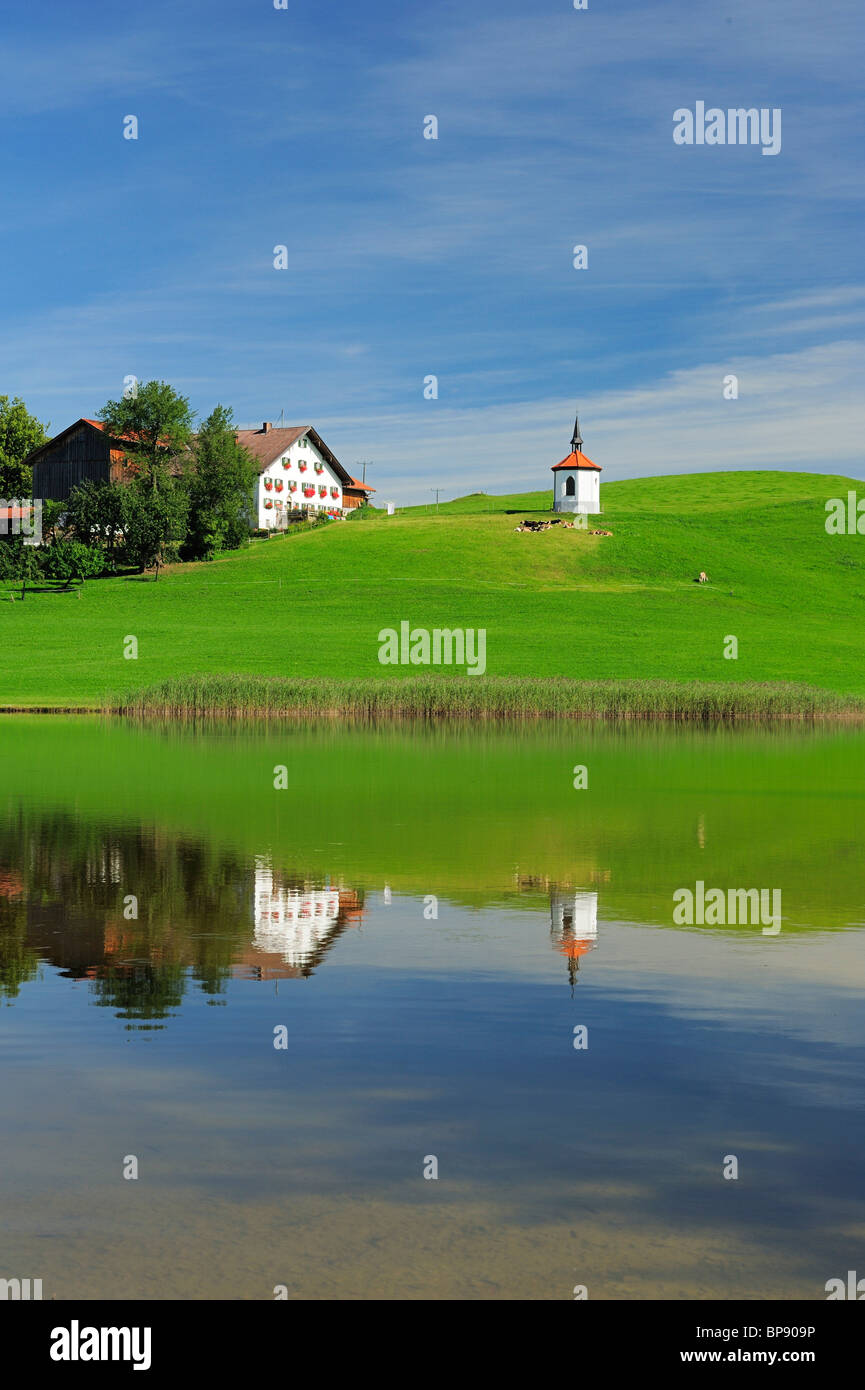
(423, 917)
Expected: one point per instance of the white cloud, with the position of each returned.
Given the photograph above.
(796, 411)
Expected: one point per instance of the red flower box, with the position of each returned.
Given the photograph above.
(279, 485)
(268, 484)
(334, 492)
(268, 505)
(302, 467)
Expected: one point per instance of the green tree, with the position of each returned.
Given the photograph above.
(53, 520)
(69, 559)
(96, 514)
(220, 479)
(155, 424)
(20, 434)
(155, 524)
(19, 562)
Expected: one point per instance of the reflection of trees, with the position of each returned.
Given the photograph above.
(65, 896)
(63, 890)
(140, 992)
(18, 961)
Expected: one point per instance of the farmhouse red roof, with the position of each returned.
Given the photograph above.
(362, 487)
(576, 460)
(267, 445)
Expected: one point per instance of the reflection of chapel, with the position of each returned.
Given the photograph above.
(573, 926)
(576, 480)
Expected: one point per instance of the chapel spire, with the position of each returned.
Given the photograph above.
(577, 442)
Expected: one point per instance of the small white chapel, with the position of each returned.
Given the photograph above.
(576, 480)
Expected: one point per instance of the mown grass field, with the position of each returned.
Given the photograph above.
(559, 603)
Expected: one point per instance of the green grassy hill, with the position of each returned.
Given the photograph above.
(557, 603)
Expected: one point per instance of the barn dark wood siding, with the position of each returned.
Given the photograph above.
(83, 454)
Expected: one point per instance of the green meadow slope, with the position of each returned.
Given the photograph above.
(558, 603)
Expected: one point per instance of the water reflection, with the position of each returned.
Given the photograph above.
(155, 880)
(138, 914)
(573, 926)
(296, 923)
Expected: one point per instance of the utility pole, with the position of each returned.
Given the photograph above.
(362, 463)
(436, 490)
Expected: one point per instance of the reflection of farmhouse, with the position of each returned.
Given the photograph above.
(296, 923)
(573, 925)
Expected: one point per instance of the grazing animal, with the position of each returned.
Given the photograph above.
(704, 578)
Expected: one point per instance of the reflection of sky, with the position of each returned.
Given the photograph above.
(454, 1037)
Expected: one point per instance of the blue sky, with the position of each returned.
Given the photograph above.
(410, 257)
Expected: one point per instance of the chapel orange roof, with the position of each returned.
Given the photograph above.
(574, 949)
(576, 460)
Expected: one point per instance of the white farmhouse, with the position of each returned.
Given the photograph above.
(297, 472)
(576, 480)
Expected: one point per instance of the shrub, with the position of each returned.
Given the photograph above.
(68, 560)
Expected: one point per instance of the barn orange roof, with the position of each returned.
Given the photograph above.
(130, 438)
(98, 425)
(576, 460)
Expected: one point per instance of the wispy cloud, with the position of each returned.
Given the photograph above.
(452, 257)
(796, 411)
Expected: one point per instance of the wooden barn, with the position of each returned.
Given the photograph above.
(82, 452)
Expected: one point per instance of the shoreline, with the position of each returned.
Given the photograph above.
(499, 699)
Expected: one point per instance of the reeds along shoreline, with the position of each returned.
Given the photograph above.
(485, 697)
